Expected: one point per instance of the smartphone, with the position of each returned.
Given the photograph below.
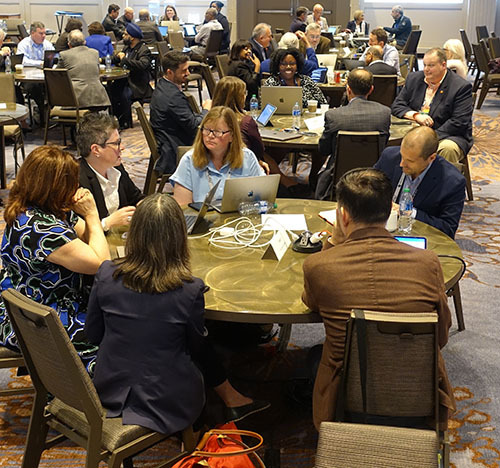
(418, 242)
(197, 206)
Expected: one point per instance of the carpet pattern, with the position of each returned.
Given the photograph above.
(471, 356)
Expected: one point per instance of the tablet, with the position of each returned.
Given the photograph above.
(417, 242)
(266, 114)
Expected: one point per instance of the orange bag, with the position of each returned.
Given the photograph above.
(223, 448)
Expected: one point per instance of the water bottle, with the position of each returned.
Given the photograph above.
(255, 207)
(296, 116)
(108, 63)
(254, 107)
(405, 209)
(8, 66)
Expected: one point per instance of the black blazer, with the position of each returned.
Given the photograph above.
(451, 108)
(257, 50)
(244, 69)
(440, 197)
(110, 25)
(128, 192)
(381, 68)
(351, 25)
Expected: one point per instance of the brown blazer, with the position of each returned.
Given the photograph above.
(370, 270)
(323, 46)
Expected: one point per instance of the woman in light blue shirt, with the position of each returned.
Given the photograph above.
(218, 154)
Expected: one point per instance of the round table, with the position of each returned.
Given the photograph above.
(244, 288)
(36, 75)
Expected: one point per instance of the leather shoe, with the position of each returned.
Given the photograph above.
(238, 413)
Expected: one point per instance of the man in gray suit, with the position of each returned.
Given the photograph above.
(149, 28)
(82, 64)
(360, 115)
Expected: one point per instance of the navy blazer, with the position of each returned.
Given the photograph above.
(257, 50)
(440, 197)
(351, 25)
(144, 370)
(451, 109)
(128, 192)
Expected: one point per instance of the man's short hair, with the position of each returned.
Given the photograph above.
(36, 25)
(172, 60)
(76, 38)
(113, 7)
(398, 8)
(441, 53)
(380, 34)
(212, 12)
(422, 139)
(376, 51)
(300, 11)
(360, 81)
(366, 194)
(144, 15)
(313, 26)
(94, 129)
(260, 29)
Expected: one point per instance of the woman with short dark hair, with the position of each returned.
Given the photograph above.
(98, 40)
(62, 41)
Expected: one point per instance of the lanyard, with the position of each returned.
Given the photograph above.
(398, 188)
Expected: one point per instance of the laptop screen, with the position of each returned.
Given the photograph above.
(49, 58)
(332, 29)
(418, 242)
(189, 30)
(266, 114)
(163, 30)
(319, 75)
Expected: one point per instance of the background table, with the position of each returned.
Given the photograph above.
(36, 75)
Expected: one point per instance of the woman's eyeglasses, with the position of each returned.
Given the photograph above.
(116, 143)
(216, 133)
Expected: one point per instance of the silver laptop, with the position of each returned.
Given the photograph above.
(173, 26)
(247, 189)
(282, 97)
(327, 60)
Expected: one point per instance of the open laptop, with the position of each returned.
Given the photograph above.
(351, 64)
(283, 97)
(173, 26)
(49, 58)
(163, 30)
(197, 224)
(319, 75)
(263, 120)
(247, 189)
(189, 30)
(333, 29)
(16, 59)
(327, 60)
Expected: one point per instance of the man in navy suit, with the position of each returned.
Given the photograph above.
(401, 28)
(438, 98)
(437, 187)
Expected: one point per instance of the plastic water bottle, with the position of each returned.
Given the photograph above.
(8, 66)
(255, 207)
(296, 116)
(108, 63)
(405, 209)
(254, 107)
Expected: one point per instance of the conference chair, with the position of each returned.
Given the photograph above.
(482, 32)
(384, 89)
(176, 40)
(112, 36)
(486, 48)
(62, 106)
(209, 79)
(192, 103)
(487, 80)
(23, 33)
(222, 64)
(12, 29)
(8, 360)
(494, 43)
(411, 45)
(390, 373)
(415, 27)
(368, 446)
(355, 149)
(11, 128)
(469, 54)
(75, 410)
(155, 182)
(163, 49)
(406, 64)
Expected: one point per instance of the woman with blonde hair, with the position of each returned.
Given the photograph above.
(47, 248)
(218, 153)
(358, 24)
(455, 54)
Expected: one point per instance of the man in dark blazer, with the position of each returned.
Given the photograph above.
(442, 100)
(366, 268)
(174, 122)
(150, 31)
(375, 63)
(110, 22)
(437, 187)
(127, 17)
(262, 41)
(360, 115)
(99, 146)
(401, 28)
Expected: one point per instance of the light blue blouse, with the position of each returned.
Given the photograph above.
(199, 181)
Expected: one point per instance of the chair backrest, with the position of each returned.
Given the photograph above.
(390, 366)
(466, 43)
(192, 103)
(214, 42)
(486, 49)
(222, 63)
(51, 358)
(494, 43)
(415, 27)
(163, 49)
(482, 32)
(412, 42)
(181, 151)
(59, 88)
(151, 175)
(384, 89)
(355, 149)
(22, 30)
(366, 445)
(176, 40)
(480, 58)
(406, 64)
(7, 91)
(112, 36)
(12, 23)
(209, 79)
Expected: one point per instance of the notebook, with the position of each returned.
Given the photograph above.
(247, 189)
(282, 97)
(197, 224)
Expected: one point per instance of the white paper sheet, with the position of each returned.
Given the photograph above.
(292, 222)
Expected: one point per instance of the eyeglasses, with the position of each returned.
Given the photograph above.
(116, 143)
(216, 133)
(288, 64)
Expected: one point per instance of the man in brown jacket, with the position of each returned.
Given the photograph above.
(367, 268)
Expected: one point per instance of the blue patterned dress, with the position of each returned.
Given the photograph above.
(25, 246)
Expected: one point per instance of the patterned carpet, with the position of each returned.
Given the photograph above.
(471, 356)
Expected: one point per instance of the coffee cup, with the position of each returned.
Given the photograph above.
(312, 105)
(19, 68)
(392, 222)
(102, 68)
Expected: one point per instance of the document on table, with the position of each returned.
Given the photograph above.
(292, 222)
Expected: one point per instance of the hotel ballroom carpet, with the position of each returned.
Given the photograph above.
(472, 356)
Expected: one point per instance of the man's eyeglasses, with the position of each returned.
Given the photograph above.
(215, 133)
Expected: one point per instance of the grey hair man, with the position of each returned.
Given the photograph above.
(401, 28)
(262, 41)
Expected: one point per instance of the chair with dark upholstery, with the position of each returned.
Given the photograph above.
(494, 43)
(482, 33)
(486, 80)
(411, 45)
(469, 54)
(406, 64)
(75, 411)
(384, 89)
(222, 64)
